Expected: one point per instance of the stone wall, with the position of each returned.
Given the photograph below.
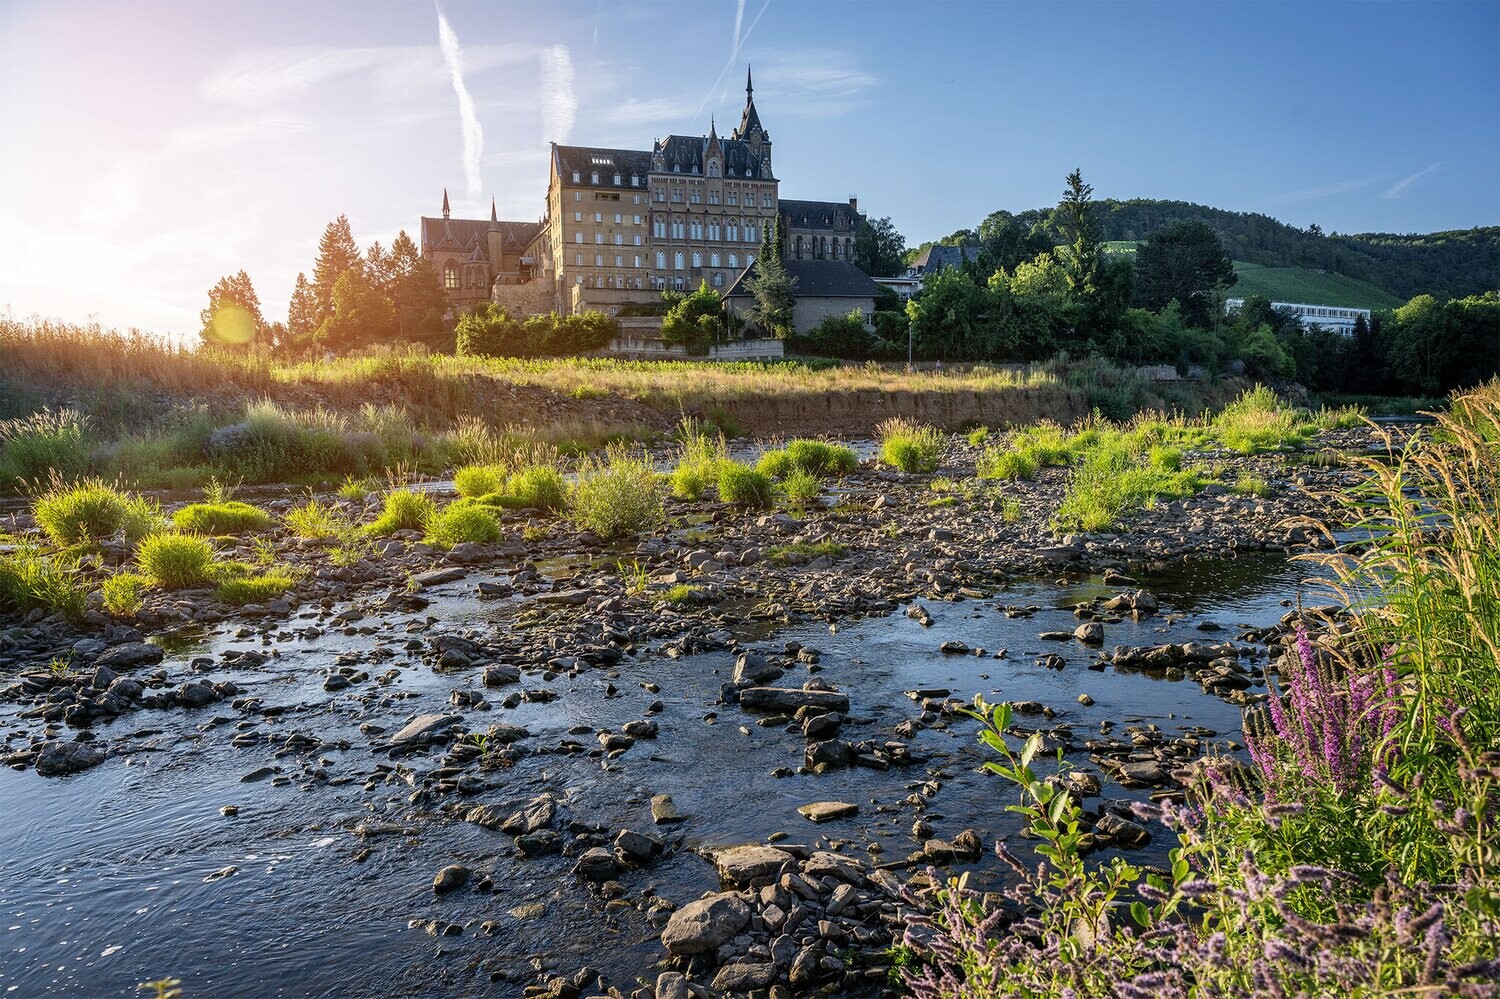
(534, 298)
(809, 312)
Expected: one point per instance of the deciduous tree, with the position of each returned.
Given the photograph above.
(879, 249)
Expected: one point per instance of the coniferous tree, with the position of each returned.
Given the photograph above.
(233, 315)
(337, 253)
(416, 291)
(1186, 263)
(775, 296)
(302, 311)
(1075, 221)
(361, 314)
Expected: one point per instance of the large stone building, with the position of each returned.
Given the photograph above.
(624, 224)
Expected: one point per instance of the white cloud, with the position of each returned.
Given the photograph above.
(559, 104)
(1396, 189)
(473, 133)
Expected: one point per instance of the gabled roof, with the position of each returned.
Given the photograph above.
(588, 160)
(817, 279)
(687, 153)
(457, 235)
(820, 215)
(935, 258)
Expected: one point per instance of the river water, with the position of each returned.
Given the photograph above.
(107, 877)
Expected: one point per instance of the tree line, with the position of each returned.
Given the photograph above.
(353, 299)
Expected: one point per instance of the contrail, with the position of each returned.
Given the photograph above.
(473, 132)
(739, 40)
(1394, 191)
(559, 105)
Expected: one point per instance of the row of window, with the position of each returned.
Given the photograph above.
(712, 231)
(696, 198)
(635, 199)
(635, 180)
(599, 217)
(619, 238)
(659, 282)
(680, 260)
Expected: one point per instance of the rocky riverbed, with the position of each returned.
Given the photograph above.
(506, 769)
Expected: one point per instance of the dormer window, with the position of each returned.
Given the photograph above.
(594, 177)
(713, 168)
(635, 180)
(575, 176)
(617, 180)
(677, 168)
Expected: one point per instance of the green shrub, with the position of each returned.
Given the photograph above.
(821, 458)
(682, 593)
(255, 589)
(1166, 459)
(619, 495)
(43, 445)
(478, 480)
(491, 501)
(315, 520)
(998, 463)
(909, 446)
(1251, 485)
(124, 592)
(231, 517)
(457, 524)
(29, 579)
(702, 456)
(689, 481)
(777, 464)
(404, 510)
(979, 436)
(91, 511)
(354, 489)
(1112, 480)
(175, 561)
(801, 487)
(540, 487)
(804, 551)
(738, 484)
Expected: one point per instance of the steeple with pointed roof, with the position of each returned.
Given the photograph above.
(445, 202)
(750, 128)
(494, 217)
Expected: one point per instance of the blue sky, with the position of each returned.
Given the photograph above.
(163, 145)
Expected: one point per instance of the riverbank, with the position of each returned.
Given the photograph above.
(479, 737)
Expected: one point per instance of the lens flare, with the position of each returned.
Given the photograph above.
(233, 324)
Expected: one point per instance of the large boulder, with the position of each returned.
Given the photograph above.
(130, 655)
(703, 926)
(58, 758)
(789, 699)
(750, 865)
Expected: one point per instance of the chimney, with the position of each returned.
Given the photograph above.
(854, 204)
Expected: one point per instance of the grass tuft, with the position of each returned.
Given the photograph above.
(231, 517)
(618, 496)
(746, 486)
(911, 447)
(124, 593)
(92, 511)
(31, 580)
(404, 510)
(176, 561)
(459, 523)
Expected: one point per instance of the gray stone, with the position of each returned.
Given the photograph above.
(750, 865)
(501, 674)
(636, 846)
(752, 668)
(703, 926)
(597, 864)
(1090, 633)
(422, 728)
(58, 758)
(827, 811)
(436, 577)
(744, 977)
(789, 699)
(131, 655)
(671, 985)
(450, 878)
(664, 811)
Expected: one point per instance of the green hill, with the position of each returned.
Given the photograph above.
(1299, 284)
(1293, 284)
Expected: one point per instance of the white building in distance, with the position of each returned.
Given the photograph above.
(1329, 317)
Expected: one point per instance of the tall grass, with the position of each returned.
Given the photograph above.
(44, 445)
(404, 510)
(31, 579)
(176, 561)
(1359, 854)
(703, 455)
(910, 446)
(91, 511)
(618, 495)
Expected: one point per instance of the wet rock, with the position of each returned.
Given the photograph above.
(664, 811)
(822, 726)
(953, 647)
(672, 985)
(539, 843)
(538, 813)
(615, 741)
(744, 977)
(751, 668)
(450, 878)
(636, 847)
(1122, 832)
(640, 729)
(423, 729)
(702, 927)
(59, 758)
(597, 864)
(501, 674)
(789, 699)
(827, 811)
(130, 655)
(436, 577)
(828, 755)
(196, 695)
(1090, 633)
(750, 865)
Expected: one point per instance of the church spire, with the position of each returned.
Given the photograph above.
(445, 202)
(494, 218)
(750, 127)
(749, 87)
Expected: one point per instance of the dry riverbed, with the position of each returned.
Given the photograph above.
(506, 769)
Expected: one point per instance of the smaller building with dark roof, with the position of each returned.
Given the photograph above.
(822, 288)
(819, 230)
(470, 256)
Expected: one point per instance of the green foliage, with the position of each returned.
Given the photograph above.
(92, 511)
(487, 331)
(361, 313)
(477, 480)
(804, 551)
(702, 455)
(817, 458)
(175, 561)
(618, 496)
(316, 520)
(775, 296)
(1111, 480)
(695, 321)
(1187, 264)
(1251, 485)
(801, 487)
(879, 248)
(739, 484)
(910, 447)
(31, 580)
(255, 589)
(354, 489)
(978, 436)
(44, 445)
(459, 523)
(231, 517)
(682, 593)
(232, 318)
(124, 593)
(1303, 284)
(404, 510)
(999, 463)
(539, 487)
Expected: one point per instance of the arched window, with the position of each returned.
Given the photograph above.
(677, 260)
(575, 176)
(734, 260)
(450, 275)
(617, 180)
(594, 177)
(713, 168)
(697, 259)
(661, 260)
(713, 260)
(848, 248)
(799, 247)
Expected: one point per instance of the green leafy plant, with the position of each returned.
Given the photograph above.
(539, 487)
(909, 446)
(255, 589)
(455, 524)
(48, 444)
(30, 579)
(218, 518)
(801, 487)
(316, 520)
(125, 593)
(746, 486)
(618, 496)
(91, 511)
(404, 510)
(175, 561)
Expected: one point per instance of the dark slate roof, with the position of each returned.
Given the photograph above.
(935, 258)
(818, 279)
(472, 234)
(608, 162)
(819, 214)
(686, 153)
